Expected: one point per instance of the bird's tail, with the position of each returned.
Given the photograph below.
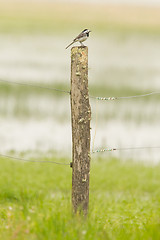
(69, 44)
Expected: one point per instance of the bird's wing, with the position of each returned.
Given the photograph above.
(79, 36)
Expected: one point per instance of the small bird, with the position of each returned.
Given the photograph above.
(81, 37)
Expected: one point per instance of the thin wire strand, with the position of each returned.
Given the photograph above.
(103, 98)
(36, 86)
(68, 92)
(127, 97)
(138, 96)
(121, 149)
(33, 161)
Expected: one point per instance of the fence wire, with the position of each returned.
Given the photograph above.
(127, 97)
(123, 149)
(68, 92)
(35, 86)
(33, 161)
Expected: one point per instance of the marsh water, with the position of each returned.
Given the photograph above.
(33, 119)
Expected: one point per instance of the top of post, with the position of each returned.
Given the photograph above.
(82, 50)
(79, 47)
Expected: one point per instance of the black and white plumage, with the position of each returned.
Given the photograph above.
(81, 37)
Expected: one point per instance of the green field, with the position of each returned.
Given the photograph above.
(35, 201)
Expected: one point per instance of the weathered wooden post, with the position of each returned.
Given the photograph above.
(81, 115)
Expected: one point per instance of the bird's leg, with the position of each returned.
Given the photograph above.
(82, 44)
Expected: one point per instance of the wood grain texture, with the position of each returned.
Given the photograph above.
(81, 116)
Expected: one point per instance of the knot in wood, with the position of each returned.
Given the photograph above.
(81, 120)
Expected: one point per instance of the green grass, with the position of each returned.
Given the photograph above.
(35, 201)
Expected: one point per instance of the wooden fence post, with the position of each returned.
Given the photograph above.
(81, 115)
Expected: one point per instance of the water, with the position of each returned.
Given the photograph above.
(32, 121)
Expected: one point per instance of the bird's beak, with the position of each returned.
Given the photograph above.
(90, 31)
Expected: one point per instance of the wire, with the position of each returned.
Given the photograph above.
(128, 97)
(68, 92)
(104, 98)
(34, 161)
(138, 96)
(36, 86)
(121, 149)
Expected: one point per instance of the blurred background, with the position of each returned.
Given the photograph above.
(124, 60)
